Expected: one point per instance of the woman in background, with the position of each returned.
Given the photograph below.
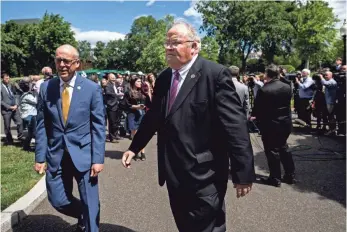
(136, 101)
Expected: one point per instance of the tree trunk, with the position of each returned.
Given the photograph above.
(307, 63)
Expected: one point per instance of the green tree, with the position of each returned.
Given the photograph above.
(52, 32)
(100, 54)
(153, 56)
(209, 48)
(84, 49)
(14, 47)
(313, 22)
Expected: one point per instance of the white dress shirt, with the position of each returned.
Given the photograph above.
(183, 71)
(71, 85)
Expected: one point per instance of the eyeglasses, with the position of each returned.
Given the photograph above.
(67, 62)
(174, 44)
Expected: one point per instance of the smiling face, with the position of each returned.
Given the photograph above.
(66, 62)
(179, 48)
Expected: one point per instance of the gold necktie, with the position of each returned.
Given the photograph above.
(65, 101)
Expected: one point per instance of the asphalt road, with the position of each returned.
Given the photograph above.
(131, 199)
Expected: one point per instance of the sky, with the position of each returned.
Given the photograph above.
(103, 21)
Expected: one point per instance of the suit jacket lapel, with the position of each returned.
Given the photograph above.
(187, 86)
(76, 96)
(58, 104)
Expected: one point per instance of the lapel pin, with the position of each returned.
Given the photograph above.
(192, 76)
(78, 87)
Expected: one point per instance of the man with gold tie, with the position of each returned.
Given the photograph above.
(70, 138)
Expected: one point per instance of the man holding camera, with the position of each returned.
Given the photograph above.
(330, 98)
(306, 91)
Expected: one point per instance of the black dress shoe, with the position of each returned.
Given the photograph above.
(80, 228)
(271, 181)
(289, 179)
(137, 157)
(143, 156)
(118, 138)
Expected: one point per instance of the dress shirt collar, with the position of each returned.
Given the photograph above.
(183, 71)
(71, 83)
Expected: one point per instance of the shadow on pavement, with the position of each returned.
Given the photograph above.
(113, 154)
(51, 223)
(320, 164)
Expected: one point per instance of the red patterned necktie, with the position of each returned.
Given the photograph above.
(173, 89)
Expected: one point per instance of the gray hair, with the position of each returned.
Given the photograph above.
(234, 71)
(306, 71)
(191, 32)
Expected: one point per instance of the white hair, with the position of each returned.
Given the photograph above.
(306, 71)
(71, 48)
(191, 32)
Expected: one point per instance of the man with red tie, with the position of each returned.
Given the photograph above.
(201, 126)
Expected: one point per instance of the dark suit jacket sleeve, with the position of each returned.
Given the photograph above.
(41, 135)
(150, 122)
(97, 117)
(234, 125)
(109, 93)
(3, 103)
(258, 103)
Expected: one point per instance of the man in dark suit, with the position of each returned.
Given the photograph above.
(9, 109)
(200, 120)
(70, 137)
(113, 96)
(273, 113)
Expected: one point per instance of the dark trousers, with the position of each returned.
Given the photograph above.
(14, 115)
(341, 115)
(114, 119)
(304, 111)
(59, 190)
(276, 151)
(199, 211)
(31, 122)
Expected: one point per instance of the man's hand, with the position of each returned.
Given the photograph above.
(13, 108)
(95, 169)
(242, 189)
(40, 168)
(126, 159)
(252, 118)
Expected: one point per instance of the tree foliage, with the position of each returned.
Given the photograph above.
(27, 48)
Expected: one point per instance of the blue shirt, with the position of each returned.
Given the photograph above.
(330, 91)
(305, 88)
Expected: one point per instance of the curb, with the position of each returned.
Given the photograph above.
(16, 212)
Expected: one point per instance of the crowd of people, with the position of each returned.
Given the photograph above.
(200, 111)
(126, 99)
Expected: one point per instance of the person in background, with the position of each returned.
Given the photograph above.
(338, 64)
(241, 89)
(319, 105)
(28, 111)
(136, 100)
(9, 109)
(330, 99)
(47, 73)
(151, 80)
(36, 82)
(112, 101)
(306, 90)
(273, 113)
(94, 78)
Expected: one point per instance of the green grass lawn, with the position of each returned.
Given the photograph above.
(17, 174)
